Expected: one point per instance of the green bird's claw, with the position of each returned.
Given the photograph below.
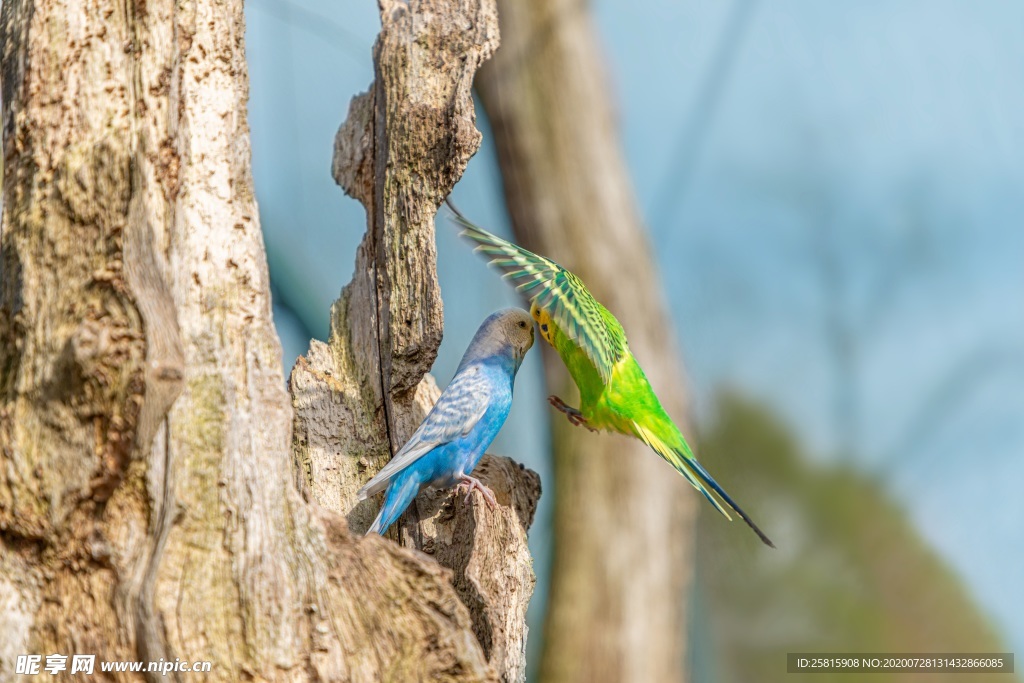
(575, 416)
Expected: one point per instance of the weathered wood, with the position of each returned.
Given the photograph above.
(623, 522)
(147, 503)
(494, 570)
(486, 549)
(401, 149)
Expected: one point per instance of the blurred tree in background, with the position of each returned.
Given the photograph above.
(623, 522)
(853, 575)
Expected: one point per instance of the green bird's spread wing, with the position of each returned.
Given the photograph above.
(563, 295)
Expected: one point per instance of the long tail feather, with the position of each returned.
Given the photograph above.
(401, 491)
(707, 479)
(681, 458)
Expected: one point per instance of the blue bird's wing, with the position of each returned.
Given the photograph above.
(456, 412)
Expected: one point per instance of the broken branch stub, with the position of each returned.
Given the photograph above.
(359, 397)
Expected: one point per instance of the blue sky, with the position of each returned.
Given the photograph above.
(868, 127)
(805, 167)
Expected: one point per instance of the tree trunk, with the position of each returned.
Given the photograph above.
(623, 522)
(148, 507)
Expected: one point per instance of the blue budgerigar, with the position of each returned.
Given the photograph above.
(452, 438)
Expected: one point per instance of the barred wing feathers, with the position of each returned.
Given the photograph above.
(457, 411)
(563, 295)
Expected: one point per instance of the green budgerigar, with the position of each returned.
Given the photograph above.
(614, 392)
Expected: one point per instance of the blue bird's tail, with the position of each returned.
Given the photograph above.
(401, 491)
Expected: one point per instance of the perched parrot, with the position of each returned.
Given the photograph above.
(462, 424)
(614, 392)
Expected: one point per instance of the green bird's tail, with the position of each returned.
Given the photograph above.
(678, 454)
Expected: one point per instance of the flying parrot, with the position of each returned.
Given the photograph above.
(452, 438)
(614, 392)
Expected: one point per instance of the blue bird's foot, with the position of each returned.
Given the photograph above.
(575, 416)
(472, 483)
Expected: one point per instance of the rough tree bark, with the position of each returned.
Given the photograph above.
(402, 148)
(623, 523)
(147, 504)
